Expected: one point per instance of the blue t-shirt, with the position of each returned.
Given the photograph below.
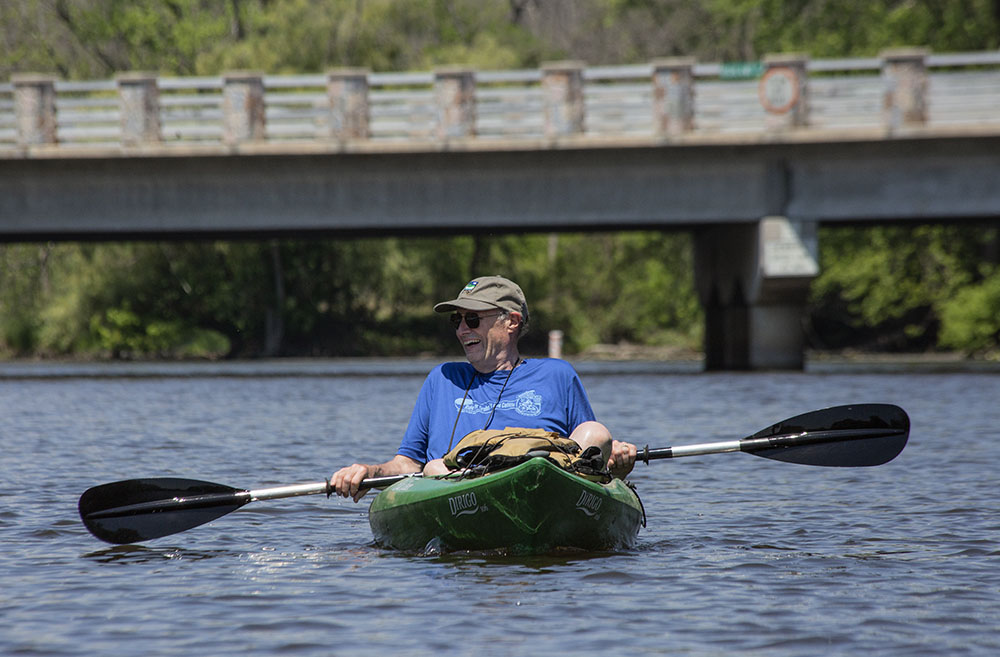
(542, 393)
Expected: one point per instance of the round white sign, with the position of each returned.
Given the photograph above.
(779, 89)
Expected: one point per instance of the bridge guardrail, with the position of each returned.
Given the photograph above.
(666, 100)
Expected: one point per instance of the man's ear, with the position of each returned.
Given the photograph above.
(515, 319)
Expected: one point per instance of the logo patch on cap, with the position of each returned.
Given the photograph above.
(470, 287)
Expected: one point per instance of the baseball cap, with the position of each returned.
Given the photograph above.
(487, 293)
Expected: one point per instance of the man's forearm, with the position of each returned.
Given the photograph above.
(399, 464)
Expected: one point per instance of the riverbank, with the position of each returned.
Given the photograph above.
(601, 360)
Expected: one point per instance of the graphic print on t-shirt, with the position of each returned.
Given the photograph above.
(528, 403)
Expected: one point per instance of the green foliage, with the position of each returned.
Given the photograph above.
(970, 320)
(108, 299)
(97, 38)
(22, 281)
(836, 29)
(631, 287)
(360, 297)
(897, 287)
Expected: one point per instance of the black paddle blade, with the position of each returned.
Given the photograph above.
(844, 436)
(142, 509)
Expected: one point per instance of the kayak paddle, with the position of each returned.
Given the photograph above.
(143, 509)
(138, 510)
(841, 436)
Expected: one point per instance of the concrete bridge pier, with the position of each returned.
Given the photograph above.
(753, 282)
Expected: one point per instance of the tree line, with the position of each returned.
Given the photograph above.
(899, 288)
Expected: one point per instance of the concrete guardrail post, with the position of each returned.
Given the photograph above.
(784, 91)
(139, 103)
(562, 88)
(455, 93)
(905, 74)
(673, 96)
(243, 117)
(35, 108)
(347, 94)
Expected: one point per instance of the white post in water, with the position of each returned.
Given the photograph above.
(555, 344)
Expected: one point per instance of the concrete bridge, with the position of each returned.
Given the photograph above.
(751, 165)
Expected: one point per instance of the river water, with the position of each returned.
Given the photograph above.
(741, 555)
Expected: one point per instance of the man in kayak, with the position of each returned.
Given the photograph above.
(494, 390)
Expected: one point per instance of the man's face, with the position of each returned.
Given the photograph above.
(486, 346)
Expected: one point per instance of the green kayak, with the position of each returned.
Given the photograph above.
(531, 508)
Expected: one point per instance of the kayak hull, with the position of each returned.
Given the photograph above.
(532, 508)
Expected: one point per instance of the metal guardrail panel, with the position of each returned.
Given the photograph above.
(727, 107)
(8, 121)
(964, 97)
(839, 103)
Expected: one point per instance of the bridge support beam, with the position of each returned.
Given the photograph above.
(753, 281)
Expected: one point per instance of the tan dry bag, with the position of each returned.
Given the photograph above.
(496, 449)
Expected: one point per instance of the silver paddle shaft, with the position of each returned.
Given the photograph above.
(296, 490)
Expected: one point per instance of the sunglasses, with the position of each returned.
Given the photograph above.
(471, 319)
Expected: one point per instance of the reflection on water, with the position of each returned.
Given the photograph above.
(741, 555)
(480, 563)
(128, 554)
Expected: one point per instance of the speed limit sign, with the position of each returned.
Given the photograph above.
(779, 89)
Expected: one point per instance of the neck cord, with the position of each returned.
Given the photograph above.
(466, 395)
